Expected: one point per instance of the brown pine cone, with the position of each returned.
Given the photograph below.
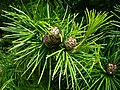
(70, 43)
(111, 68)
(53, 39)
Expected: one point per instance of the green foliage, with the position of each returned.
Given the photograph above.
(84, 67)
(10, 73)
(109, 54)
(116, 23)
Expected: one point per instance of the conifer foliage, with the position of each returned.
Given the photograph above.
(48, 43)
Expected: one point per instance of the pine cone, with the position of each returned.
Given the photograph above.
(70, 43)
(53, 39)
(111, 68)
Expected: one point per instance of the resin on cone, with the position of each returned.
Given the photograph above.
(52, 40)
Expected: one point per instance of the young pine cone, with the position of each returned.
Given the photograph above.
(111, 68)
(70, 43)
(53, 39)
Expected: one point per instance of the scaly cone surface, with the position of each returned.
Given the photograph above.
(70, 43)
(52, 40)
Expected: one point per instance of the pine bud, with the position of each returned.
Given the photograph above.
(53, 39)
(70, 43)
(111, 68)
